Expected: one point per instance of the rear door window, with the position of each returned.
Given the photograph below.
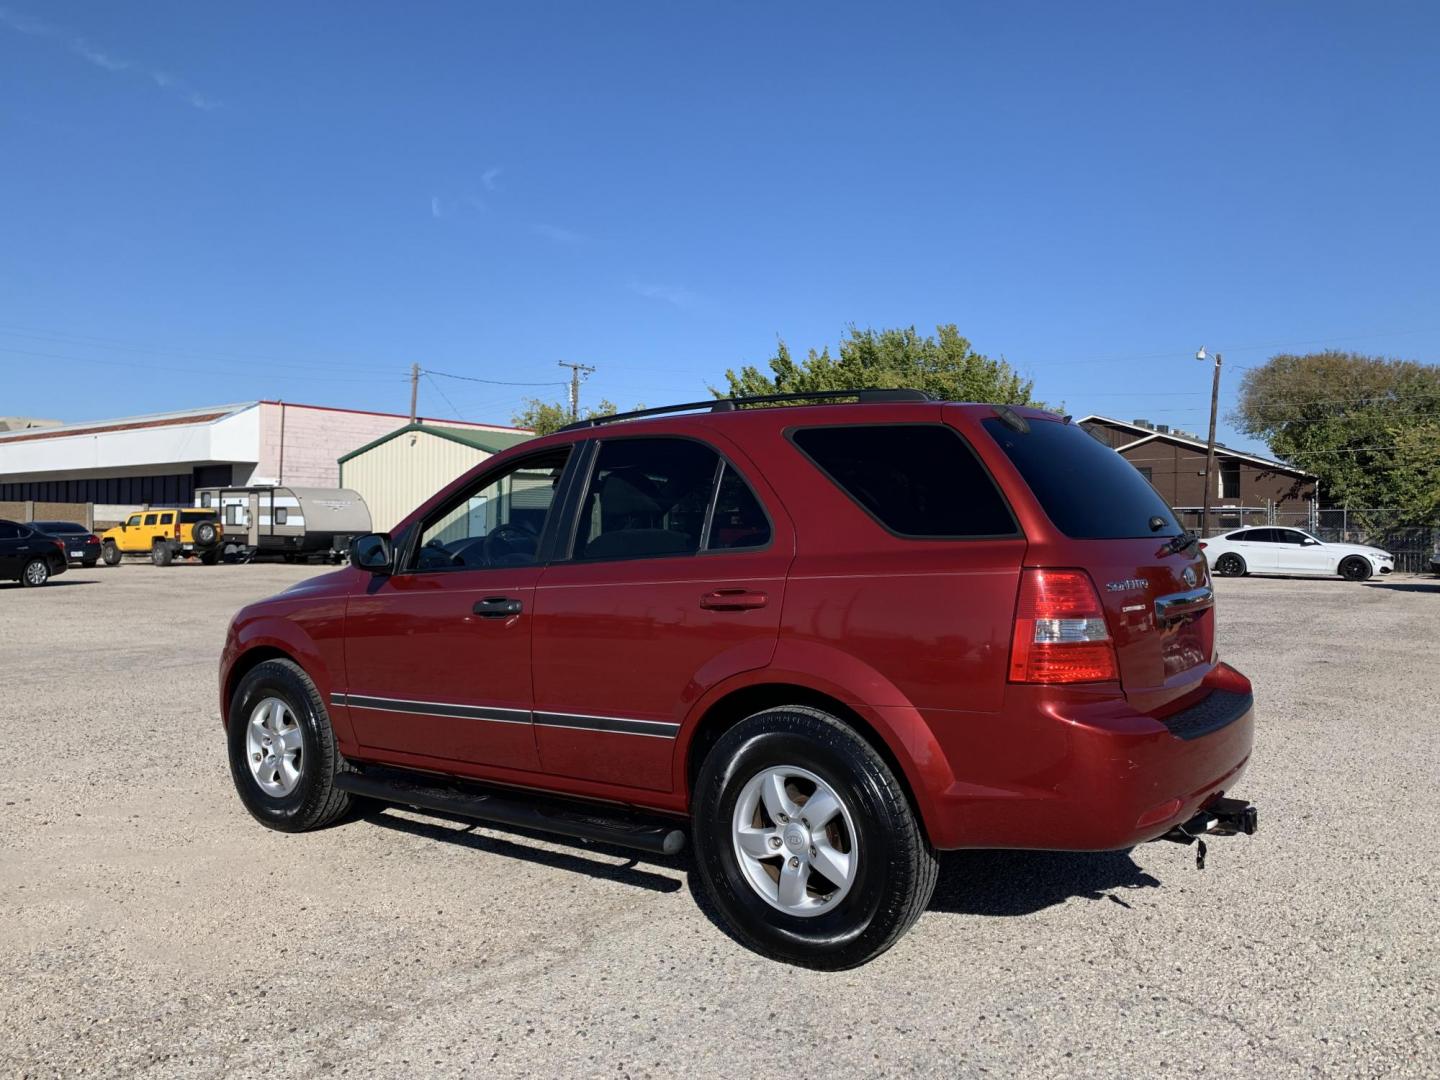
(920, 481)
(1088, 490)
(647, 498)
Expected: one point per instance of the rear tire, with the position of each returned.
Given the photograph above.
(161, 555)
(110, 553)
(210, 558)
(810, 917)
(1355, 568)
(287, 783)
(1230, 565)
(35, 573)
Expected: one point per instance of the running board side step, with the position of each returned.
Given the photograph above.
(612, 825)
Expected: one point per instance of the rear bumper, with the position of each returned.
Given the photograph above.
(1100, 775)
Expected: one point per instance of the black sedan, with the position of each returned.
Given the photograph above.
(81, 545)
(29, 557)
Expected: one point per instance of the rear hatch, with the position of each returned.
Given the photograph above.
(1112, 524)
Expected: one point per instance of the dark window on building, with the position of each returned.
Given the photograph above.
(1089, 492)
(1144, 470)
(917, 480)
(1230, 479)
(738, 520)
(647, 498)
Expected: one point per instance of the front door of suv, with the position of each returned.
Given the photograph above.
(675, 581)
(437, 655)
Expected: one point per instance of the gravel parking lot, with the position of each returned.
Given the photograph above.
(149, 927)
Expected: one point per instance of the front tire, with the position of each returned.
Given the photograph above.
(283, 758)
(828, 893)
(1230, 565)
(1355, 568)
(110, 553)
(35, 573)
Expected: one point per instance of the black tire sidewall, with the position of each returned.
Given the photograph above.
(1355, 560)
(25, 573)
(854, 930)
(301, 808)
(110, 553)
(1230, 565)
(205, 535)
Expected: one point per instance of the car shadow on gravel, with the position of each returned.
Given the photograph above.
(1405, 586)
(583, 858)
(1004, 883)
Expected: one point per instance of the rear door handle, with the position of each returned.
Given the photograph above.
(734, 600)
(497, 607)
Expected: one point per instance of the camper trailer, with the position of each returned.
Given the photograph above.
(295, 522)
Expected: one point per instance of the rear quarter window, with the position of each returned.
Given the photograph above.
(1088, 490)
(920, 481)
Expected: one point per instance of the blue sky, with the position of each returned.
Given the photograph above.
(204, 203)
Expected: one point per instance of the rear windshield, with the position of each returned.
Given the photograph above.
(54, 527)
(1088, 490)
(197, 515)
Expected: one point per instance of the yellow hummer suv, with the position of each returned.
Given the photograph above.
(165, 535)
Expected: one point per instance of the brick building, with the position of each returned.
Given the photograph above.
(1247, 488)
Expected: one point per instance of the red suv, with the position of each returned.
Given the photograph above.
(823, 640)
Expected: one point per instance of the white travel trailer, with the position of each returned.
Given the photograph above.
(295, 522)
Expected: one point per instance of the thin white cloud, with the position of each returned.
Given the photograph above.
(436, 209)
(555, 234)
(82, 48)
(107, 61)
(490, 177)
(668, 294)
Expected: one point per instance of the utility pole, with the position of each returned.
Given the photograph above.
(1210, 450)
(577, 371)
(414, 389)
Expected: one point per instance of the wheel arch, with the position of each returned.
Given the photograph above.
(728, 708)
(245, 663)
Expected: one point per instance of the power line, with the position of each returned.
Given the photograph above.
(490, 382)
(445, 396)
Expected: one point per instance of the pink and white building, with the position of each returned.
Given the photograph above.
(162, 458)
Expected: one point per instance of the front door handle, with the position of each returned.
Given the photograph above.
(734, 600)
(497, 607)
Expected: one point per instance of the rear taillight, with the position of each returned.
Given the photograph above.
(1060, 632)
(59, 544)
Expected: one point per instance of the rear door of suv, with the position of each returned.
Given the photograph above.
(670, 577)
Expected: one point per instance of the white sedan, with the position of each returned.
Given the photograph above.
(1270, 550)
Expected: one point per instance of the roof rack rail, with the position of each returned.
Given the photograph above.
(864, 395)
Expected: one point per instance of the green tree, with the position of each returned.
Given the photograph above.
(1369, 427)
(543, 417)
(945, 365)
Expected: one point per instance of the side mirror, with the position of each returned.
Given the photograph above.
(1309, 541)
(372, 552)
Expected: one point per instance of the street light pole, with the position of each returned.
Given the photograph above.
(1210, 449)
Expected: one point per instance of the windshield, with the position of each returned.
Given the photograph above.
(1088, 490)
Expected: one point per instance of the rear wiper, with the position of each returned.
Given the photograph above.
(1179, 543)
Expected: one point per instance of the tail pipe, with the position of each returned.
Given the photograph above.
(1223, 817)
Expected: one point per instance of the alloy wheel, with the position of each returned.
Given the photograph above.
(273, 747)
(795, 841)
(37, 573)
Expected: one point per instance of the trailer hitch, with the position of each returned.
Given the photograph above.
(1223, 817)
